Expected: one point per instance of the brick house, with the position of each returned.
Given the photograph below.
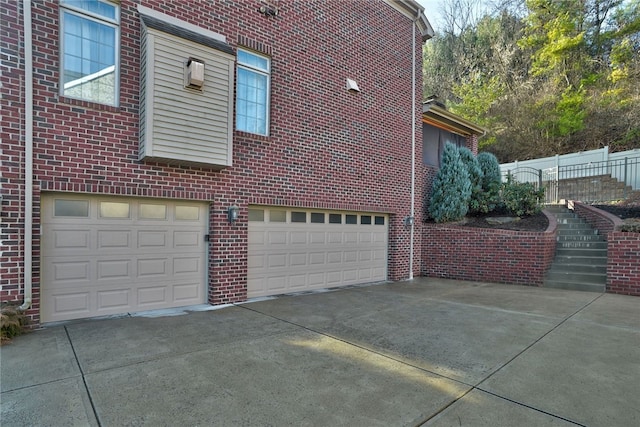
(160, 153)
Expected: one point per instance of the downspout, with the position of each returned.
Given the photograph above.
(413, 144)
(28, 155)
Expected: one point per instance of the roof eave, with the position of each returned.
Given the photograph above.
(441, 115)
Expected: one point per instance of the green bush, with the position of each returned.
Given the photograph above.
(451, 188)
(521, 199)
(630, 227)
(488, 199)
(475, 178)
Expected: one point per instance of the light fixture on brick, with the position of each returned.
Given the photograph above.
(232, 213)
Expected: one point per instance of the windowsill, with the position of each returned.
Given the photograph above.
(255, 136)
(88, 104)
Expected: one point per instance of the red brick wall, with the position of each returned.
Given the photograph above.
(327, 148)
(602, 221)
(623, 263)
(500, 256)
(623, 250)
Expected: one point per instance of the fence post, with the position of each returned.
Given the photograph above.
(626, 164)
(539, 179)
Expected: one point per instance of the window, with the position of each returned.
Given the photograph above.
(277, 216)
(317, 218)
(298, 217)
(89, 50)
(252, 93)
(351, 219)
(256, 215)
(335, 218)
(433, 142)
(79, 208)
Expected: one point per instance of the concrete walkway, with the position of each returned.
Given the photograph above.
(427, 352)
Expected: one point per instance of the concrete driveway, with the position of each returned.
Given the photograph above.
(426, 352)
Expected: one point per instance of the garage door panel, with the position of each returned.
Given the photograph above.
(187, 265)
(73, 303)
(334, 278)
(350, 276)
(350, 256)
(276, 284)
(334, 257)
(152, 267)
(298, 260)
(186, 239)
(114, 269)
(118, 265)
(152, 295)
(152, 238)
(71, 239)
(317, 258)
(111, 299)
(70, 270)
(276, 260)
(297, 281)
(365, 237)
(317, 238)
(277, 238)
(108, 239)
(188, 293)
(334, 237)
(256, 262)
(298, 237)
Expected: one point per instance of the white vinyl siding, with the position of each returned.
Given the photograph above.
(178, 124)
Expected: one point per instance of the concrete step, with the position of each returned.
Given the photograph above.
(580, 238)
(575, 286)
(576, 231)
(575, 277)
(582, 252)
(572, 267)
(581, 244)
(574, 226)
(579, 260)
(581, 255)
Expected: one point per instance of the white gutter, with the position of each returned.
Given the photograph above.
(28, 155)
(413, 144)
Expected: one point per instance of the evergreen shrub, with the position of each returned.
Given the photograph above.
(451, 188)
(488, 199)
(475, 177)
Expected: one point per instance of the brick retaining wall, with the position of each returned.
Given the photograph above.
(501, 256)
(623, 250)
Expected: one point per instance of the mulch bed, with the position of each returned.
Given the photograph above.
(540, 222)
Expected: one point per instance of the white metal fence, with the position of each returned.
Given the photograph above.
(583, 176)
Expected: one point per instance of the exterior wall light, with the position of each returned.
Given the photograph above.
(232, 213)
(408, 221)
(194, 73)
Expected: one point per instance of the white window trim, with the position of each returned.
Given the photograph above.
(115, 23)
(268, 90)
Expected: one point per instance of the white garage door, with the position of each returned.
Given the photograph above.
(293, 250)
(107, 255)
